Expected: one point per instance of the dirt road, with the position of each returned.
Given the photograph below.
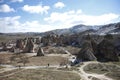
(88, 76)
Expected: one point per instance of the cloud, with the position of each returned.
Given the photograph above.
(9, 21)
(36, 26)
(36, 9)
(56, 20)
(16, 0)
(9, 24)
(59, 5)
(12, 24)
(101, 19)
(73, 17)
(6, 8)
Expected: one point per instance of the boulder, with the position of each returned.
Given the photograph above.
(40, 52)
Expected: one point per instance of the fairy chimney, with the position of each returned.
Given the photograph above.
(106, 49)
(40, 52)
(29, 47)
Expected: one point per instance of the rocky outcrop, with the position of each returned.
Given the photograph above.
(117, 46)
(19, 44)
(86, 52)
(40, 52)
(4, 46)
(94, 46)
(106, 49)
(38, 40)
(29, 47)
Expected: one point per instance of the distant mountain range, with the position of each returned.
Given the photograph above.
(113, 28)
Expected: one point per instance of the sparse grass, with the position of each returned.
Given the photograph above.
(101, 68)
(95, 68)
(114, 70)
(58, 50)
(38, 74)
(72, 50)
(38, 61)
(1, 67)
(115, 75)
(111, 70)
(6, 57)
(53, 50)
(44, 60)
(8, 37)
(117, 63)
(8, 72)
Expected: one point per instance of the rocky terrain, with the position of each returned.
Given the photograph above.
(86, 52)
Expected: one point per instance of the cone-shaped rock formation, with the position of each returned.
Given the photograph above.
(40, 52)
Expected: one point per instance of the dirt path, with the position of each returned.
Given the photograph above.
(87, 76)
(66, 51)
(10, 74)
(10, 68)
(7, 68)
(81, 72)
(67, 55)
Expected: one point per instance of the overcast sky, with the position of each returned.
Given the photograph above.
(45, 15)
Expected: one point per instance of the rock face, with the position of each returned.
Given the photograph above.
(19, 44)
(29, 47)
(59, 40)
(106, 49)
(45, 40)
(86, 52)
(38, 40)
(4, 46)
(94, 46)
(117, 45)
(40, 52)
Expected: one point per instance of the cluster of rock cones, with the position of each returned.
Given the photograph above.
(103, 51)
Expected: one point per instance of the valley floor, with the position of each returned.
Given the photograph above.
(38, 68)
(53, 72)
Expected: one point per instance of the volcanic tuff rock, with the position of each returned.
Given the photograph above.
(87, 52)
(19, 44)
(40, 52)
(4, 46)
(29, 47)
(106, 49)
